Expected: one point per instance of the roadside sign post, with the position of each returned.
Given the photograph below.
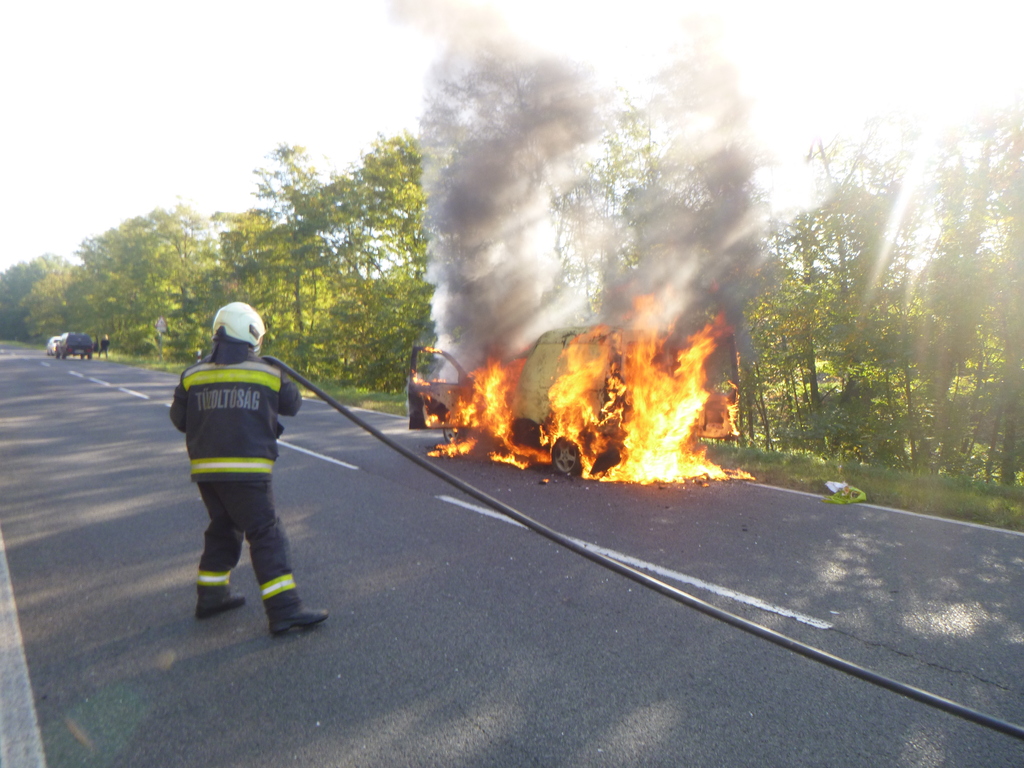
(161, 329)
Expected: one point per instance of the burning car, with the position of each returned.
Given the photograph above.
(589, 400)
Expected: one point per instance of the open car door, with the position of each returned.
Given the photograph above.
(432, 401)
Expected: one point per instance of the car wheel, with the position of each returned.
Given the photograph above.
(565, 457)
(459, 435)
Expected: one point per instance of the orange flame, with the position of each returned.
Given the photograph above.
(633, 409)
(453, 449)
(659, 445)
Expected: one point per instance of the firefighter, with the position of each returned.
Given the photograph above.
(228, 405)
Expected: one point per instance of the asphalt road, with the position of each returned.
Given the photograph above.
(456, 638)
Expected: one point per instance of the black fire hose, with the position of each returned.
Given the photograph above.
(816, 654)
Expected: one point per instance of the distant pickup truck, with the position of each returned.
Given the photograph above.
(72, 344)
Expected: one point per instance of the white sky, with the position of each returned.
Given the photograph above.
(109, 109)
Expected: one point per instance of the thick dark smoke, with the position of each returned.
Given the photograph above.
(502, 126)
(503, 130)
(699, 225)
(492, 174)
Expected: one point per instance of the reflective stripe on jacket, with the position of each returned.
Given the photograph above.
(242, 373)
(214, 466)
(228, 413)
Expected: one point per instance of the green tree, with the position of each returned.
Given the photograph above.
(293, 251)
(194, 251)
(150, 266)
(46, 306)
(119, 272)
(378, 247)
(16, 285)
(338, 268)
(830, 323)
(971, 289)
(273, 256)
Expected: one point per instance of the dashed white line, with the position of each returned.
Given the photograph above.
(133, 393)
(481, 510)
(682, 578)
(100, 381)
(317, 455)
(76, 373)
(731, 594)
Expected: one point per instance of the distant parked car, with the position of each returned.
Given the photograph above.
(75, 344)
(51, 345)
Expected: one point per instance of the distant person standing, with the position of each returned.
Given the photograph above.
(104, 346)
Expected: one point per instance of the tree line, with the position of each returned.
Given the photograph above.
(335, 265)
(882, 323)
(886, 323)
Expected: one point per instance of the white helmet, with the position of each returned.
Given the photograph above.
(240, 322)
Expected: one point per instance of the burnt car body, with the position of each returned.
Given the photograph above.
(434, 403)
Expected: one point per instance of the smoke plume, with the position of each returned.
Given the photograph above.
(502, 125)
(698, 224)
(508, 128)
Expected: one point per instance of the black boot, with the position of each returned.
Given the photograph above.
(285, 611)
(214, 600)
(302, 618)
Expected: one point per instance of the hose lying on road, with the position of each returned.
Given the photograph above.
(816, 654)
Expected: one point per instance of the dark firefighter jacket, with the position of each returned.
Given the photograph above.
(227, 406)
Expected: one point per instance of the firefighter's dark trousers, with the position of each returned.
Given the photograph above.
(246, 509)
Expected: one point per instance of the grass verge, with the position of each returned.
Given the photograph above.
(385, 402)
(954, 498)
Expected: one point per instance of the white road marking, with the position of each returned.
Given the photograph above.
(45, 364)
(317, 455)
(133, 392)
(661, 571)
(21, 745)
(485, 511)
(108, 384)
